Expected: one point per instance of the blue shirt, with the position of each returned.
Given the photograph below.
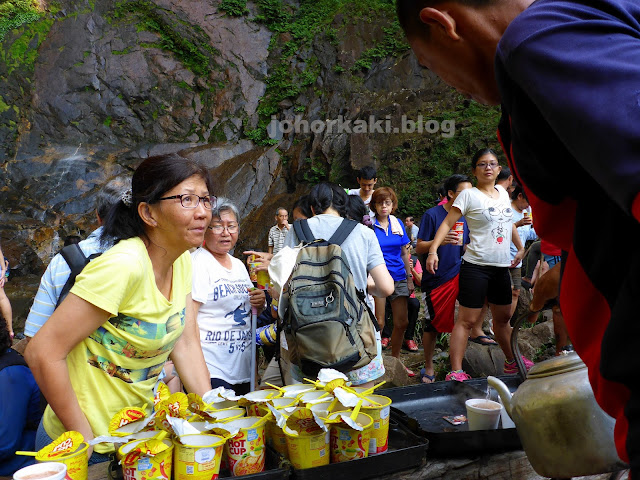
(52, 282)
(391, 246)
(19, 417)
(449, 256)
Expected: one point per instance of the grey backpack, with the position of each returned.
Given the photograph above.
(327, 323)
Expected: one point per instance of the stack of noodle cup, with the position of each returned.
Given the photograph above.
(276, 438)
(307, 441)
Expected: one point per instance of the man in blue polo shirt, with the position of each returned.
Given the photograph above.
(567, 74)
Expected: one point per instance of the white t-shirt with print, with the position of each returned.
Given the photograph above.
(224, 318)
(489, 221)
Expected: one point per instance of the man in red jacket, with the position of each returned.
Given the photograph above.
(567, 75)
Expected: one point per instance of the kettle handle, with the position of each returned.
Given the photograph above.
(522, 370)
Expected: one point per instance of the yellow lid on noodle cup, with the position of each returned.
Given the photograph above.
(65, 444)
(177, 405)
(126, 416)
(336, 383)
(197, 406)
(161, 392)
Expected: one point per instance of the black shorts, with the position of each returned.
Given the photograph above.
(480, 282)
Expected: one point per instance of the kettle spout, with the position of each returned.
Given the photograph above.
(503, 391)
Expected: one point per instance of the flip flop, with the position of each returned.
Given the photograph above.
(483, 340)
(410, 373)
(423, 374)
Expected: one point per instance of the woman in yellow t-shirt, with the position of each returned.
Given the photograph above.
(130, 309)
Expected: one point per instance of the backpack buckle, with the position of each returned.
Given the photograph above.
(329, 299)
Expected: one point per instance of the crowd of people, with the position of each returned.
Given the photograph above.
(566, 111)
(163, 298)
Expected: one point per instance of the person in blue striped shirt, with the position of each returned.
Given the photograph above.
(57, 273)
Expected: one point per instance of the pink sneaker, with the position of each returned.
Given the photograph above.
(458, 376)
(511, 367)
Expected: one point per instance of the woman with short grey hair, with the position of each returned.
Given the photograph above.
(223, 296)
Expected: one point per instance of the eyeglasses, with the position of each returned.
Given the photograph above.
(283, 216)
(189, 200)
(386, 203)
(221, 228)
(485, 165)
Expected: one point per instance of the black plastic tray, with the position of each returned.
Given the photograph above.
(421, 408)
(406, 451)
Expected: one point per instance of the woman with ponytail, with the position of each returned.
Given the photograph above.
(130, 309)
(329, 206)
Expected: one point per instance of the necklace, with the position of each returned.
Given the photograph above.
(489, 194)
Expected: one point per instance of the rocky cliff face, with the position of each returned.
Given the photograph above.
(93, 87)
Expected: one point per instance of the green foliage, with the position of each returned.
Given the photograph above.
(196, 57)
(24, 50)
(274, 15)
(415, 168)
(234, 8)
(299, 28)
(3, 106)
(392, 45)
(15, 13)
(314, 172)
(107, 122)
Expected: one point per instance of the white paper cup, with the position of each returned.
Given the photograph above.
(42, 471)
(483, 414)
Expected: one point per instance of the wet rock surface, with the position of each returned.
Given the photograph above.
(97, 90)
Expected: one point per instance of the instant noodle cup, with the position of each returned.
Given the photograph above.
(292, 391)
(322, 409)
(42, 471)
(142, 463)
(197, 457)
(138, 436)
(222, 405)
(70, 449)
(348, 443)
(307, 442)
(316, 396)
(274, 435)
(127, 421)
(277, 403)
(378, 407)
(228, 414)
(253, 400)
(246, 450)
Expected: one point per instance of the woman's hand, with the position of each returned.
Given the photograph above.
(432, 263)
(518, 258)
(262, 259)
(259, 256)
(451, 238)
(257, 298)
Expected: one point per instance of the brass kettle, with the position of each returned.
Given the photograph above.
(562, 429)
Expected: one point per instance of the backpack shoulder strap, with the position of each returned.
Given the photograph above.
(343, 231)
(303, 231)
(76, 260)
(11, 358)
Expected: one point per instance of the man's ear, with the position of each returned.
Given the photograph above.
(434, 17)
(146, 214)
